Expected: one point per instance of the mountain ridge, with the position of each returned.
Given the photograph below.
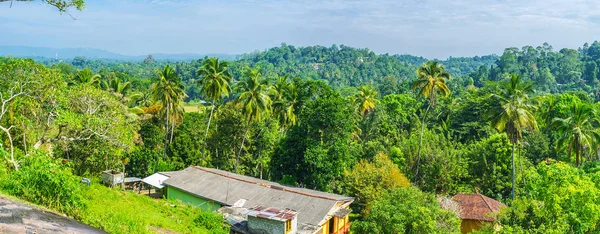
(93, 53)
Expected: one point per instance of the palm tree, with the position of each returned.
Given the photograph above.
(116, 85)
(366, 99)
(168, 90)
(577, 131)
(254, 100)
(86, 76)
(284, 97)
(432, 78)
(514, 113)
(214, 84)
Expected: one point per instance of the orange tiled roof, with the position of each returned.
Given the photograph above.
(477, 206)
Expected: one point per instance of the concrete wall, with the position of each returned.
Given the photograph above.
(265, 226)
(258, 225)
(174, 193)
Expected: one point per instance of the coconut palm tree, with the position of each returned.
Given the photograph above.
(432, 78)
(254, 100)
(284, 97)
(118, 86)
(168, 90)
(577, 132)
(214, 84)
(513, 113)
(86, 76)
(366, 99)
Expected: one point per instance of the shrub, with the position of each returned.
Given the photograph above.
(211, 221)
(407, 210)
(46, 181)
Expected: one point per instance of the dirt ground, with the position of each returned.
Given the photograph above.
(17, 217)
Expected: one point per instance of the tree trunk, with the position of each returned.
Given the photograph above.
(237, 160)
(172, 130)
(261, 170)
(12, 148)
(166, 131)
(521, 162)
(207, 128)
(24, 137)
(569, 151)
(513, 171)
(577, 155)
(421, 139)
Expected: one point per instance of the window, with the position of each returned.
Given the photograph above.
(288, 226)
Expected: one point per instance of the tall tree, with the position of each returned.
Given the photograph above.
(432, 78)
(285, 101)
(168, 90)
(214, 83)
(366, 99)
(577, 132)
(513, 113)
(254, 100)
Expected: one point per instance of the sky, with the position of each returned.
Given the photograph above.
(428, 28)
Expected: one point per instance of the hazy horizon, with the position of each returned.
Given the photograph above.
(427, 28)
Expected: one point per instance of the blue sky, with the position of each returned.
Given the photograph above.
(429, 28)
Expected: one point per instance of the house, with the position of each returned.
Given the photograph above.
(476, 210)
(250, 201)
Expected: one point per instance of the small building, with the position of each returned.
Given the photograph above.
(268, 220)
(217, 190)
(112, 178)
(476, 211)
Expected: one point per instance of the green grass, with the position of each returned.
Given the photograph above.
(127, 212)
(193, 107)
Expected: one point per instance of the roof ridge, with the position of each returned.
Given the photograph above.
(485, 201)
(262, 184)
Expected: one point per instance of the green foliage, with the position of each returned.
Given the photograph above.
(558, 198)
(490, 166)
(319, 148)
(212, 222)
(48, 182)
(407, 210)
(188, 141)
(368, 180)
(442, 164)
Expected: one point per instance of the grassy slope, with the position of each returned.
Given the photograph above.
(127, 212)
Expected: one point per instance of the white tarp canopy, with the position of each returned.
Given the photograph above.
(155, 180)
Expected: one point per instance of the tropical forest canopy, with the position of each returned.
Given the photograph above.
(393, 131)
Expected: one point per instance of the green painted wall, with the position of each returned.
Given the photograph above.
(174, 193)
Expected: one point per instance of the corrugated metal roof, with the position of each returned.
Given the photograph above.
(156, 180)
(227, 188)
(477, 206)
(272, 213)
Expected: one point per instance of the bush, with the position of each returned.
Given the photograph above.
(407, 210)
(368, 180)
(211, 221)
(46, 181)
(558, 198)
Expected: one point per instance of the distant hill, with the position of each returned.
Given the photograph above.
(91, 53)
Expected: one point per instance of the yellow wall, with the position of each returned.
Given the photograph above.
(469, 225)
(337, 222)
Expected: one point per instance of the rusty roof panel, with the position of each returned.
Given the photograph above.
(477, 206)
